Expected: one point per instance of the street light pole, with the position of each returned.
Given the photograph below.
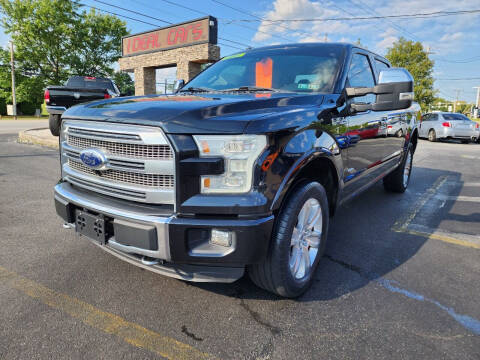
(14, 98)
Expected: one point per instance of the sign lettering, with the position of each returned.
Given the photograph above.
(196, 32)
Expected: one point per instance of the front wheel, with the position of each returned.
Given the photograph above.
(54, 122)
(398, 180)
(298, 242)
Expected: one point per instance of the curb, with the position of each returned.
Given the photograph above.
(29, 137)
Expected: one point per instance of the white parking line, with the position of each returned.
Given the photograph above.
(457, 198)
(471, 184)
(470, 157)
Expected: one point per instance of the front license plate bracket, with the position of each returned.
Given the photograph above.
(92, 226)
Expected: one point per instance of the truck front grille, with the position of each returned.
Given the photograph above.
(140, 163)
(163, 152)
(154, 180)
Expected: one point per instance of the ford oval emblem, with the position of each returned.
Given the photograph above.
(93, 158)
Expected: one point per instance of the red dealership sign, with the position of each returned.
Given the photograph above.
(191, 33)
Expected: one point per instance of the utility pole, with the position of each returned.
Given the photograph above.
(457, 91)
(476, 111)
(14, 98)
(477, 104)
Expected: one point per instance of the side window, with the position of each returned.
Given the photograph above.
(380, 65)
(433, 117)
(360, 75)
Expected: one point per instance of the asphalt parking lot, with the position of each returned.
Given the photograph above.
(401, 279)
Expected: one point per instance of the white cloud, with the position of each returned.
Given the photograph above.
(291, 9)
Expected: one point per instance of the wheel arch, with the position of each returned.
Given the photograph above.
(320, 168)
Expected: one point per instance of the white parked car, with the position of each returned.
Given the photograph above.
(445, 125)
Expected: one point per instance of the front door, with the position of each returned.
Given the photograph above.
(366, 131)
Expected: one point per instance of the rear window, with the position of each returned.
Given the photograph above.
(455, 117)
(90, 83)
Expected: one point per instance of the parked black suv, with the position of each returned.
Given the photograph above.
(243, 167)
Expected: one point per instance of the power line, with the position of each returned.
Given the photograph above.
(254, 16)
(396, 26)
(464, 61)
(152, 17)
(187, 8)
(165, 21)
(133, 12)
(203, 13)
(402, 16)
(462, 79)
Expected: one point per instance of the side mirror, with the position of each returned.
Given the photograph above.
(394, 91)
(180, 83)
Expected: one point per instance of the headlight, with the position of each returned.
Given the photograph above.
(240, 153)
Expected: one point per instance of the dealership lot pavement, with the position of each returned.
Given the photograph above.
(401, 279)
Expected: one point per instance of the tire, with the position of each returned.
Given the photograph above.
(398, 180)
(432, 135)
(465, 141)
(54, 122)
(281, 272)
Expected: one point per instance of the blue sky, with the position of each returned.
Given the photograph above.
(454, 41)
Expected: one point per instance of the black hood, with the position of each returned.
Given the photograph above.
(199, 113)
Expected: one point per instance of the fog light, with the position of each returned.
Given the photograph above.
(222, 238)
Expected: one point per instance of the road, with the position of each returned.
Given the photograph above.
(12, 126)
(401, 279)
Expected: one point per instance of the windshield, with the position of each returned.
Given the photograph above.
(291, 69)
(455, 117)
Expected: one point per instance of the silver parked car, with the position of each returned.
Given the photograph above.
(445, 125)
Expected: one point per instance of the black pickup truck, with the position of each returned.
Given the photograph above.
(243, 167)
(77, 90)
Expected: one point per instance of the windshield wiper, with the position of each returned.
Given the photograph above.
(248, 89)
(195, 89)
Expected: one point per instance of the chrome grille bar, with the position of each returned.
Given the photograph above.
(153, 180)
(163, 152)
(139, 161)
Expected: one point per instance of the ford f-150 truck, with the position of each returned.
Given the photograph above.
(241, 169)
(77, 90)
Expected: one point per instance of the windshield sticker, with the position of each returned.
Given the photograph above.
(233, 56)
(308, 86)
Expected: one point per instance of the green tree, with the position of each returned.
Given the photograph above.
(42, 31)
(55, 39)
(124, 83)
(98, 39)
(412, 56)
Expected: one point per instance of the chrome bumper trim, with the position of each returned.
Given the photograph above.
(56, 110)
(186, 272)
(64, 191)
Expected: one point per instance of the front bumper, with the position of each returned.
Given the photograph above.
(155, 238)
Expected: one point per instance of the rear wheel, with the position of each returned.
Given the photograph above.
(398, 180)
(298, 242)
(465, 141)
(432, 135)
(54, 122)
